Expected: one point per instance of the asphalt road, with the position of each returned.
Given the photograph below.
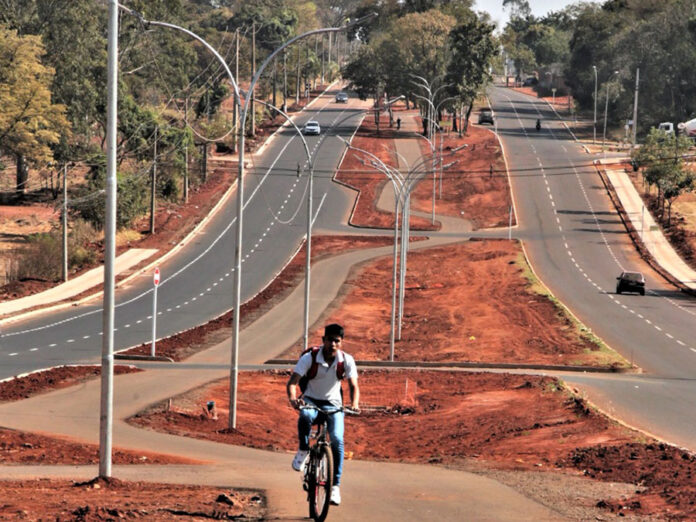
(578, 245)
(197, 282)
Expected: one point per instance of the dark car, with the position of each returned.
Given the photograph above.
(530, 82)
(341, 97)
(485, 116)
(630, 282)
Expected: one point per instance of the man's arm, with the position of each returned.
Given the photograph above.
(354, 393)
(291, 388)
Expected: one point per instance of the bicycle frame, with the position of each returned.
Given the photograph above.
(318, 473)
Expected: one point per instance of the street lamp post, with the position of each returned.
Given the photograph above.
(606, 109)
(594, 125)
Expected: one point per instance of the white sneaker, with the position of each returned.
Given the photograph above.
(335, 495)
(299, 461)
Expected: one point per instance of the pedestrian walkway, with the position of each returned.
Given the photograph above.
(646, 227)
(76, 286)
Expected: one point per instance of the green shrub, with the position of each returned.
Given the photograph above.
(41, 257)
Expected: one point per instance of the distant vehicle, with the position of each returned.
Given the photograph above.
(688, 128)
(630, 282)
(529, 82)
(486, 116)
(311, 127)
(667, 127)
(342, 97)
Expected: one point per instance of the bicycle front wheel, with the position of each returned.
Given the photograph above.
(320, 482)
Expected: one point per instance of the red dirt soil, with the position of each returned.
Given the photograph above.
(501, 421)
(115, 499)
(469, 188)
(368, 181)
(437, 325)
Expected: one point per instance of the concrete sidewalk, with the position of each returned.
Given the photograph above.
(646, 227)
(73, 287)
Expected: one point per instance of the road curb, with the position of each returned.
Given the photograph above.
(633, 233)
(134, 357)
(464, 364)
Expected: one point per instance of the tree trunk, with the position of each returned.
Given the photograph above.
(455, 128)
(468, 115)
(22, 176)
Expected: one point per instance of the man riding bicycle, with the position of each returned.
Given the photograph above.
(323, 368)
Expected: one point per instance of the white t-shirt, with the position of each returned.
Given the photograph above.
(325, 385)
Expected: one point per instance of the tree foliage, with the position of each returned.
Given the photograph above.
(29, 121)
(656, 36)
(663, 166)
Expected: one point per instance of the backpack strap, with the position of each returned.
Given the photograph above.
(340, 365)
(312, 372)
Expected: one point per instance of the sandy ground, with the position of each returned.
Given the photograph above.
(498, 424)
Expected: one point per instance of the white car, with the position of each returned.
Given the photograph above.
(311, 127)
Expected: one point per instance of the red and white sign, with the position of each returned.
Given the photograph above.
(156, 279)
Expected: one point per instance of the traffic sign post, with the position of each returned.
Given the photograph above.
(155, 280)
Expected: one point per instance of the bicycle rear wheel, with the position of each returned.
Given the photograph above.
(320, 482)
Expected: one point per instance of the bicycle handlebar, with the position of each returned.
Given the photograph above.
(346, 410)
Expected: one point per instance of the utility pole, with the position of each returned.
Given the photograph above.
(306, 78)
(322, 58)
(635, 110)
(316, 53)
(186, 158)
(285, 81)
(297, 77)
(153, 184)
(275, 84)
(235, 115)
(65, 222)
(107, 356)
(330, 48)
(253, 73)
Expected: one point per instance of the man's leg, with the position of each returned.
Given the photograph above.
(304, 427)
(336, 428)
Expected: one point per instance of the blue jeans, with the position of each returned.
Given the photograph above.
(336, 428)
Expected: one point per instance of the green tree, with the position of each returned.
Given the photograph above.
(472, 49)
(73, 35)
(364, 72)
(663, 167)
(29, 122)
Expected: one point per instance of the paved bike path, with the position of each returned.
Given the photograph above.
(371, 490)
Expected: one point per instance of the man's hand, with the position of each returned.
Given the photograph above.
(296, 403)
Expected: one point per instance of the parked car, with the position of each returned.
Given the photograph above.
(311, 127)
(342, 97)
(630, 282)
(531, 81)
(485, 116)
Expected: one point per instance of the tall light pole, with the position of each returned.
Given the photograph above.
(606, 109)
(635, 110)
(594, 125)
(107, 355)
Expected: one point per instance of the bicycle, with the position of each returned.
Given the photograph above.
(318, 472)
